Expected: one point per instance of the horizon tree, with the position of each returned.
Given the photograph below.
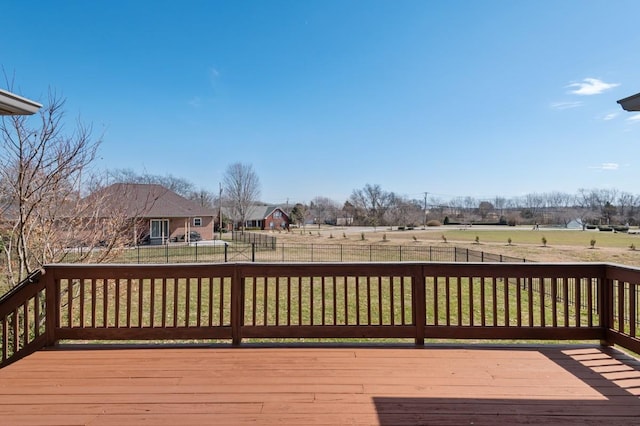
(241, 187)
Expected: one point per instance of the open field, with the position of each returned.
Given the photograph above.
(562, 245)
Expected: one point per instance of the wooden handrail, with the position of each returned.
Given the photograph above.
(412, 300)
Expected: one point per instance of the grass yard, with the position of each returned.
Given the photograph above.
(562, 245)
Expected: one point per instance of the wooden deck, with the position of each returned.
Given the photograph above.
(442, 385)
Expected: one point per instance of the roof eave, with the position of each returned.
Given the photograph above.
(632, 103)
(12, 104)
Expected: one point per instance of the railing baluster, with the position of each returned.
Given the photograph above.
(128, 311)
(507, 320)
(117, 306)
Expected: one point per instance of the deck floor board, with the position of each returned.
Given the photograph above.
(480, 385)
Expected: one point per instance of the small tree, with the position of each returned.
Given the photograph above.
(242, 189)
(544, 241)
(592, 243)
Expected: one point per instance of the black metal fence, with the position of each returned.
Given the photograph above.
(254, 252)
(261, 240)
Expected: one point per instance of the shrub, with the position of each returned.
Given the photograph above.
(434, 222)
(477, 239)
(330, 235)
(384, 237)
(592, 243)
(632, 247)
(415, 238)
(362, 236)
(444, 239)
(509, 241)
(544, 241)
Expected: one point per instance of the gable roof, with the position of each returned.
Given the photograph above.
(257, 212)
(151, 200)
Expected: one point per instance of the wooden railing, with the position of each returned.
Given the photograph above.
(235, 302)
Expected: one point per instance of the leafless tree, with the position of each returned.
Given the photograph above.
(41, 172)
(242, 189)
(324, 210)
(373, 202)
(178, 185)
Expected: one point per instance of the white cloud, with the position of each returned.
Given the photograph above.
(591, 86)
(606, 166)
(634, 118)
(610, 116)
(566, 105)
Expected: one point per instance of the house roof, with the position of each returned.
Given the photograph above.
(257, 212)
(632, 103)
(151, 200)
(12, 104)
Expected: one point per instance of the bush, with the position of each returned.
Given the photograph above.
(434, 222)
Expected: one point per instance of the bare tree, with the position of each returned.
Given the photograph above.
(41, 170)
(373, 202)
(242, 189)
(324, 210)
(178, 185)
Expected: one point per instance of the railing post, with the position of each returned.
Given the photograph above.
(418, 303)
(52, 308)
(605, 302)
(237, 306)
(225, 253)
(253, 252)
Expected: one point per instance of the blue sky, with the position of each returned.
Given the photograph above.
(454, 98)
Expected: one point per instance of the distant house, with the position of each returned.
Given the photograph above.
(160, 214)
(263, 217)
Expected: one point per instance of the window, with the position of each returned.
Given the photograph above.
(277, 214)
(197, 221)
(160, 228)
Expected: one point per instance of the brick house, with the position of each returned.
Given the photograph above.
(160, 214)
(264, 217)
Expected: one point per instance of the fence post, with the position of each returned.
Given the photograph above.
(196, 251)
(166, 251)
(253, 252)
(225, 252)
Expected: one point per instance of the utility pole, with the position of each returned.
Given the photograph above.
(425, 210)
(220, 201)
